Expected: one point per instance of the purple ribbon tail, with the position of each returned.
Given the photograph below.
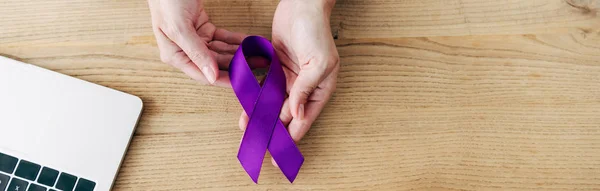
(263, 105)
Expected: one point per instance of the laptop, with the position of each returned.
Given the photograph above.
(59, 132)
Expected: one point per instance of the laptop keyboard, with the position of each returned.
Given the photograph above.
(23, 175)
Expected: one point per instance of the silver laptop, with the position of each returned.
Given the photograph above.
(59, 132)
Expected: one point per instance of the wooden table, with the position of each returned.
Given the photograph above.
(432, 94)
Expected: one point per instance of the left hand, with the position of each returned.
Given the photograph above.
(304, 44)
(188, 40)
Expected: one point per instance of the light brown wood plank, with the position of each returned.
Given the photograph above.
(515, 112)
(372, 19)
(126, 22)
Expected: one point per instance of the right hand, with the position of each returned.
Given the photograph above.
(188, 41)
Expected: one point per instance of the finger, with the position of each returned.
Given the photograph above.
(298, 127)
(195, 48)
(307, 81)
(174, 56)
(257, 62)
(192, 70)
(229, 37)
(223, 80)
(290, 78)
(285, 115)
(223, 60)
(204, 29)
(273, 162)
(243, 122)
(222, 47)
(189, 68)
(326, 88)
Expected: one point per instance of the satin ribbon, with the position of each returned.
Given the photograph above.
(263, 104)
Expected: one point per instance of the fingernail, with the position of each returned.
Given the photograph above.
(208, 73)
(301, 112)
(274, 163)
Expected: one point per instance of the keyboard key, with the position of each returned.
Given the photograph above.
(7, 163)
(17, 185)
(85, 185)
(27, 170)
(3, 181)
(35, 187)
(66, 182)
(48, 176)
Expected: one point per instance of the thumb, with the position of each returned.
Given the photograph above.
(196, 49)
(307, 81)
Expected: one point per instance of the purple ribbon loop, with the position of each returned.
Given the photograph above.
(263, 104)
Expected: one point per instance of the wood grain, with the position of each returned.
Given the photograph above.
(35, 22)
(503, 111)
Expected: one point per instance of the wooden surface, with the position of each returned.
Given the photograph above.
(432, 94)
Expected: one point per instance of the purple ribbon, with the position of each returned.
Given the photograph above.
(263, 104)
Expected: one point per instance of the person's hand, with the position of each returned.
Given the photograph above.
(304, 44)
(188, 41)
